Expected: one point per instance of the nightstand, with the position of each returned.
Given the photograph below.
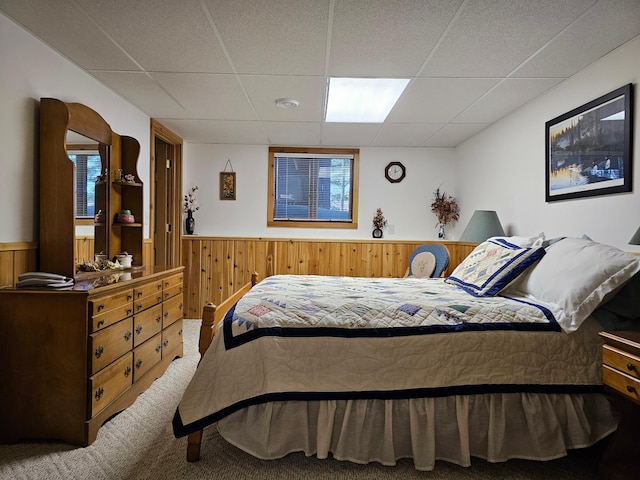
(621, 376)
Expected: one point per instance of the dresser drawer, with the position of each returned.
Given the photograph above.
(106, 311)
(172, 340)
(146, 324)
(620, 360)
(145, 302)
(169, 292)
(626, 385)
(147, 289)
(107, 345)
(173, 281)
(146, 356)
(110, 382)
(172, 310)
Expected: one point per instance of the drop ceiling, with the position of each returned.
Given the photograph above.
(211, 70)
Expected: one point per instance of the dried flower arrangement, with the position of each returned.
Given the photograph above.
(190, 202)
(445, 207)
(378, 220)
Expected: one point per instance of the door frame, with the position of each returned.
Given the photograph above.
(159, 131)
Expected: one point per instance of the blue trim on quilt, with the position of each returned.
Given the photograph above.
(231, 341)
(180, 430)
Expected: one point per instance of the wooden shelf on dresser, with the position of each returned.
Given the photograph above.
(71, 359)
(621, 376)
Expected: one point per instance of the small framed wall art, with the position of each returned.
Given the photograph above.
(228, 183)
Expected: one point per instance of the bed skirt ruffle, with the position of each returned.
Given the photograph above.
(495, 427)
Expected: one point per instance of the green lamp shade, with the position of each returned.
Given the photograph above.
(484, 224)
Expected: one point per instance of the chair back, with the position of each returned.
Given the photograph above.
(424, 256)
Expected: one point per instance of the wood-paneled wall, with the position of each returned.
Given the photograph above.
(16, 258)
(21, 257)
(216, 267)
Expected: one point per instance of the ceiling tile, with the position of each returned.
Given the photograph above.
(507, 96)
(264, 90)
(607, 25)
(217, 131)
(349, 134)
(73, 34)
(388, 38)
(293, 133)
(177, 35)
(142, 91)
(493, 37)
(405, 134)
(207, 96)
(273, 37)
(454, 134)
(438, 100)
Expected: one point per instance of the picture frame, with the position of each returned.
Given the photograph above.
(227, 185)
(588, 149)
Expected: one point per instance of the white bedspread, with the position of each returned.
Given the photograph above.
(319, 338)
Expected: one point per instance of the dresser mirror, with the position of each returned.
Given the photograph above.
(78, 154)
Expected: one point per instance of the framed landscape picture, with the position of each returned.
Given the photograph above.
(588, 150)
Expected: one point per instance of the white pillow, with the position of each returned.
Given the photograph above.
(574, 277)
(491, 266)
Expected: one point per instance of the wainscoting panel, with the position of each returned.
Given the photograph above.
(16, 258)
(216, 267)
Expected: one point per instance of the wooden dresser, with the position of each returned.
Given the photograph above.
(621, 376)
(71, 359)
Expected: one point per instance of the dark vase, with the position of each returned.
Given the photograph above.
(190, 223)
(377, 233)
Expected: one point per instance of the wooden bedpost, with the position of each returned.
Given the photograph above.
(212, 315)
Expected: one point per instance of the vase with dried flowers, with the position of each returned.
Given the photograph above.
(446, 209)
(379, 222)
(190, 205)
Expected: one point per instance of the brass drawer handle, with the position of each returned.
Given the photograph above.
(127, 371)
(129, 311)
(180, 306)
(138, 363)
(139, 329)
(158, 348)
(159, 298)
(139, 294)
(165, 343)
(101, 307)
(166, 314)
(129, 297)
(100, 323)
(631, 389)
(139, 307)
(159, 318)
(99, 393)
(631, 367)
(180, 333)
(166, 284)
(127, 336)
(99, 351)
(160, 286)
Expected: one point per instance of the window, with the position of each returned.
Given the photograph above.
(313, 187)
(88, 167)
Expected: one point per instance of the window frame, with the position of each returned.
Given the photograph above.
(353, 224)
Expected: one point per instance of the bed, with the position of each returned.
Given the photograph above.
(500, 360)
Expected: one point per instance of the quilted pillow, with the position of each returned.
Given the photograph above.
(575, 277)
(492, 266)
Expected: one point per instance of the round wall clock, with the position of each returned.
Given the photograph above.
(395, 172)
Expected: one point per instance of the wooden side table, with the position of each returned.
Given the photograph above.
(621, 375)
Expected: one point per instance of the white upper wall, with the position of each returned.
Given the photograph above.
(503, 167)
(406, 205)
(31, 70)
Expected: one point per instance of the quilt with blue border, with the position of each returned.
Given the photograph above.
(304, 338)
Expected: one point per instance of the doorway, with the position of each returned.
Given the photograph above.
(166, 199)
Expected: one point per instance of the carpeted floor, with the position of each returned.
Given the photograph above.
(139, 444)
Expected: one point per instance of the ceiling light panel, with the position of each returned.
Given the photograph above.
(362, 100)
